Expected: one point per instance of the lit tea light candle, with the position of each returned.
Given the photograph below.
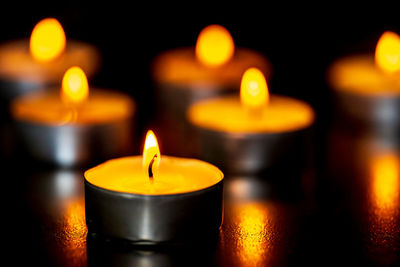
(248, 134)
(189, 74)
(27, 65)
(154, 198)
(75, 126)
(367, 87)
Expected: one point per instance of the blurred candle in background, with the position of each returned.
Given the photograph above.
(246, 135)
(186, 75)
(75, 126)
(367, 86)
(28, 65)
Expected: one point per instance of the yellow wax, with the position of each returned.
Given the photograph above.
(226, 114)
(174, 176)
(359, 74)
(102, 106)
(180, 66)
(16, 62)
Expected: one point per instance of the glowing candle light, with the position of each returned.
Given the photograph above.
(31, 65)
(387, 52)
(155, 211)
(62, 118)
(256, 115)
(368, 86)
(229, 114)
(253, 90)
(151, 154)
(75, 87)
(47, 40)
(183, 76)
(214, 46)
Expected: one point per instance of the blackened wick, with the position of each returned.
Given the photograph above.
(151, 168)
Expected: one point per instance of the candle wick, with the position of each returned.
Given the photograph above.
(151, 176)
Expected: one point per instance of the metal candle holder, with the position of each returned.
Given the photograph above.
(151, 219)
(11, 89)
(378, 112)
(248, 153)
(365, 96)
(76, 144)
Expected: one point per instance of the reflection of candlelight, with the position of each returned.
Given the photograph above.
(74, 232)
(251, 239)
(384, 213)
(385, 173)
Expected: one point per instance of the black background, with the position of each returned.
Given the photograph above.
(300, 40)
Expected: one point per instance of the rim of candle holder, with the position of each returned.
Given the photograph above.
(147, 196)
(268, 144)
(259, 135)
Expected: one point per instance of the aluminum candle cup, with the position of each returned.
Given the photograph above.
(367, 88)
(184, 202)
(244, 145)
(364, 94)
(99, 128)
(246, 135)
(186, 75)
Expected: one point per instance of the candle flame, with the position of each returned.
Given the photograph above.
(47, 40)
(253, 89)
(151, 154)
(75, 87)
(387, 52)
(214, 46)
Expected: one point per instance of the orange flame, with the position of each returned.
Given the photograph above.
(151, 153)
(253, 89)
(47, 40)
(387, 52)
(214, 46)
(75, 87)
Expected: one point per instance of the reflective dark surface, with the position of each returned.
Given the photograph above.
(344, 213)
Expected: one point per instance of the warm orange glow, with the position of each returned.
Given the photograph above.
(385, 171)
(74, 232)
(151, 152)
(384, 196)
(214, 45)
(253, 89)
(387, 52)
(75, 87)
(47, 40)
(253, 233)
